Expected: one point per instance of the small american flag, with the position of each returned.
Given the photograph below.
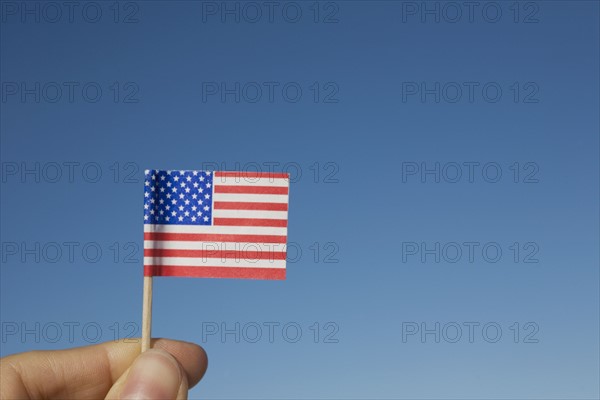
(215, 224)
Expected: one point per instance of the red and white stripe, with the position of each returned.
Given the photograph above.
(247, 239)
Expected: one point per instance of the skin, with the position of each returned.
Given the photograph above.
(111, 370)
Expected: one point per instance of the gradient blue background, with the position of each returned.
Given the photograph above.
(369, 213)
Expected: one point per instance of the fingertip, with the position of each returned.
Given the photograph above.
(155, 374)
(192, 357)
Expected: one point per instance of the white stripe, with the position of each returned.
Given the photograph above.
(238, 246)
(250, 214)
(247, 181)
(256, 198)
(232, 230)
(214, 262)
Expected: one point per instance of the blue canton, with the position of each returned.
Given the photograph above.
(178, 197)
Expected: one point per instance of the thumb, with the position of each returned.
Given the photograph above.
(155, 374)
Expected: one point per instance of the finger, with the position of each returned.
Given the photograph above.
(155, 374)
(86, 372)
(192, 358)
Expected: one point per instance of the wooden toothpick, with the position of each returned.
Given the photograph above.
(147, 314)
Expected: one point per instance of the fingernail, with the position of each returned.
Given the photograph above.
(153, 375)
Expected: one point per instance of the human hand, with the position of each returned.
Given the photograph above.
(111, 370)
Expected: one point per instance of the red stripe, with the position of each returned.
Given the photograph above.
(235, 205)
(250, 189)
(210, 237)
(215, 272)
(250, 222)
(222, 254)
(250, 174)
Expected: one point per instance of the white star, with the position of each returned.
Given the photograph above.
(180, 208)
(182, 172)
(146, 194)
(195, 173)
(153, 188)
(174, 189)
(193, 219)
(182, 184)
(153, 177)
(145, 206)
(200, 190)
(168, 195)
(206, 208)
(162, 189)
(147, 183)
(201, 179)
(161, 212)
(152, 200)
(161, 201)
(145, 217)
(167, 207)
(195, 184)
(173, 213)
(181, 196)
(194, 208)
(162, 177)
(189, 178)
(208, 185)
(199, 213)
(205, 219)
(176, 178)
(187, 202)
(152, 212)
(194, 196)
(146, 172)
(169, 184)
(187, 213)
(173, 201)
(207, 172)
(180, 218)
(187, 190)
(167, 218)
(207, 196)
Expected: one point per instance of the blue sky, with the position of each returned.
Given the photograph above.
(445, 180)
